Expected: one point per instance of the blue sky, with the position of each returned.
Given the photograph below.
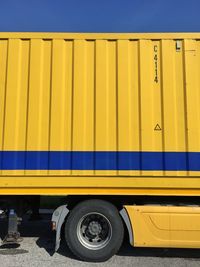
(100, 15)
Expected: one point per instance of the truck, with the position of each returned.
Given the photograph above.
(112, 122)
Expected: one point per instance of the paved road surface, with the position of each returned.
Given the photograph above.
(37, 250)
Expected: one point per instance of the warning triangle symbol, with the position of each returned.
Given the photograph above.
(157, 128)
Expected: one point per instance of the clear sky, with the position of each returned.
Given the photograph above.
(100, 15)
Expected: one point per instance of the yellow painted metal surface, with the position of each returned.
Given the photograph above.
(165, 226)
(114, 113)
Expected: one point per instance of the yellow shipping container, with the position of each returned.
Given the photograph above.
(99, 114)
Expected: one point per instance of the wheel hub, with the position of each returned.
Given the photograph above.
(94, 228)
(94, 231)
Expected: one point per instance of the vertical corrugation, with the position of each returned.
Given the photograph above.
(15, 113)
(139, 105)
(60, 136)
(83, 110)
(4, 100)
(107, 99)
(5, 96)
(191, 97)
(86, 106)
(198, 84)
(18, 98)
(117, 108)
(185, 104)
(147, 106)
(28, 101)
(162, 106)
(71, 102)
(90, 99)
(156, 127)
(27, 104)
(68, 68)
(94, 116)
(50, 101)
(43, 126)
(85, 100)
(40, 95)
(102, 102)
(39, 103)
(127, 78)
(198, 81)
(133, 122)
(106, 104)
(72, 108)
(112, 101)
(180, 105)
(174, 69)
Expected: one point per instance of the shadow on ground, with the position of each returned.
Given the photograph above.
(46, 240)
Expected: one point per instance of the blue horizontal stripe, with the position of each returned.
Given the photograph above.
(109, 160)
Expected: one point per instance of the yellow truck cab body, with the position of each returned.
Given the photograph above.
(165, 226)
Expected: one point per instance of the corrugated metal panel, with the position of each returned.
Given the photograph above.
(118, 106)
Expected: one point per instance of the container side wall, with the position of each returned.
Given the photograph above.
(100, 107)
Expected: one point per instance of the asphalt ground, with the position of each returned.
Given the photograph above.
(37, 249)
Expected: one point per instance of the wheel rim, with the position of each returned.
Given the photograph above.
(94, 231)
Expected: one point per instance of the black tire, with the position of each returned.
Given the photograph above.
(99, 216)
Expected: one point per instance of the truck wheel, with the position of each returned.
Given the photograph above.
(94, 230)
